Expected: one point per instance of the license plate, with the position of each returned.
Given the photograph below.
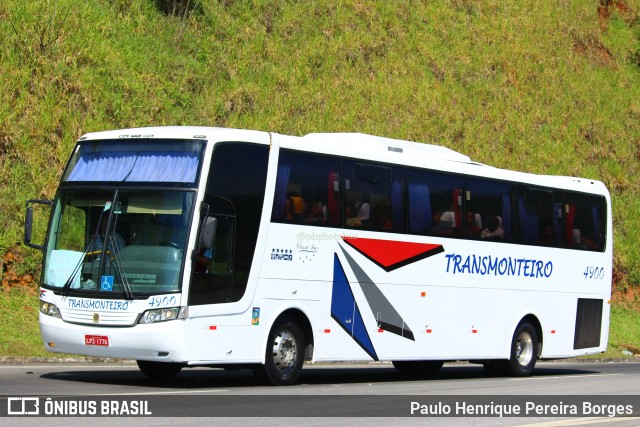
(102, 340)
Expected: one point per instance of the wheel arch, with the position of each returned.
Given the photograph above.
(533, 320)
(303, 321)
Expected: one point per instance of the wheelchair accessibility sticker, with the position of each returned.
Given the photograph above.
(106, 283)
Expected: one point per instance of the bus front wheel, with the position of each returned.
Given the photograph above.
(284, 355)
(524, 352)
(159, 370)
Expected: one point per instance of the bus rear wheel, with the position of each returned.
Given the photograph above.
(284, 355)
(524, 352)
(419, 367)
(159, 370)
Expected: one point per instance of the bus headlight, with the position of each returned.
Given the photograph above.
(163, 314)
(49, 309)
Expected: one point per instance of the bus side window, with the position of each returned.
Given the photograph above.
(435, 205)
(374, 196)
(307, 190)
(584, 222)
(493, 199)
(538, 222)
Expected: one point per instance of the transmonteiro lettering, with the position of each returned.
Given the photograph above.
(498, 266)
(96, 304)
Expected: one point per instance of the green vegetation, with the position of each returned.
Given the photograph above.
(624, 331)
(549, 87)
(19, 319)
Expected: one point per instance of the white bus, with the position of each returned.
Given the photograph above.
(193, 246)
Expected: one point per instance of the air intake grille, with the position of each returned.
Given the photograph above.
(588, 323)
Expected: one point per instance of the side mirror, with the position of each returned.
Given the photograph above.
(28, 223)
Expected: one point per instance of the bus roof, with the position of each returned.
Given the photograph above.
(358, 145)
(179, 132)
(357, 142)
(362, 142)
(355, 145)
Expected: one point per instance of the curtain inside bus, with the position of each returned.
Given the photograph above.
(419, 208)
(128, 166)
(284, 170)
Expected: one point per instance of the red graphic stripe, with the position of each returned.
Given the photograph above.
(390, 254)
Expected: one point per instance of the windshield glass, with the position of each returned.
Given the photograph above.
(122, 242)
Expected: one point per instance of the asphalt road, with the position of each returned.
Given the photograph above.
(351, 395)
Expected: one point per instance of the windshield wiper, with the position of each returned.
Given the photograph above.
(128, 294)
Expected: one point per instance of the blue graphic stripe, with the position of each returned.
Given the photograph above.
(345, 311)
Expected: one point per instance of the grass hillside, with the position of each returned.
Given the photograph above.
(550, 87)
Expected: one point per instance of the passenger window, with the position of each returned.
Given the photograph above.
(584, 222)
(373, 197)
(307, 190)
(492, 200)
(539, 217)
(435, 204)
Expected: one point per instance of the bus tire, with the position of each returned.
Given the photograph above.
(419, 367)
(284, 354)
(159, 370)
(524, 352)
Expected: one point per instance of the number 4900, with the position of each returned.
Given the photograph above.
(592, 272)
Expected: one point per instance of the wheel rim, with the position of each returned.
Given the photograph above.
(285, 351)
(524, 348)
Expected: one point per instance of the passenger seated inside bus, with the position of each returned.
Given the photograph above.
(203, 260)
(381, 219)
(548, 236)
(350, 217)
(443, 223)
(584, 241)
(289, 216)
(315, 214)
(588, 242)
(298, 206)
(494, 231)
(474, 224)
(363, 209)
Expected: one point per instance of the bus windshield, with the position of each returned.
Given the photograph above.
(118, 242)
